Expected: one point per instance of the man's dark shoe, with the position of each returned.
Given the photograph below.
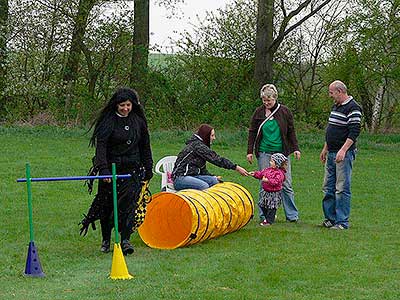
(327, 224)
(126, 247)
(338, 227)
(105, 246)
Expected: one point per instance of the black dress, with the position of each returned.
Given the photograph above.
(125, 142)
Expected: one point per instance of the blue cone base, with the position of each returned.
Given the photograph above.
(33, 267)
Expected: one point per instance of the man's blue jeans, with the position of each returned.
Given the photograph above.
(199, 182)
(291, 212)
(336, 188)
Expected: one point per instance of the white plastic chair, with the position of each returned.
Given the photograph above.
(167, 164)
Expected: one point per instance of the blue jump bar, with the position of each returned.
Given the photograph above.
(73, 178)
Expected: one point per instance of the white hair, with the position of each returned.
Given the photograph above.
(340, 86)
(269, 90)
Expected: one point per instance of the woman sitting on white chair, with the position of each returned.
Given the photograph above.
(190, 170)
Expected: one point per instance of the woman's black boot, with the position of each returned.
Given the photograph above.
(106, 234)
(105, 246)
(126, 247)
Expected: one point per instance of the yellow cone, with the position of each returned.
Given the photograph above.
(118, 267)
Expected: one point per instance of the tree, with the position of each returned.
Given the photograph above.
(39, 31)
(214, 68)
(3, 51)
(368, 59)
(72, 64)
(300, 62)
(380, 43)
(266, 43)
(140, 47)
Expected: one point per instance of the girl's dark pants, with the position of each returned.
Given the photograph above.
(269, 214)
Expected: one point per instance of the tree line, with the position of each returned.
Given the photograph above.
(61, 60)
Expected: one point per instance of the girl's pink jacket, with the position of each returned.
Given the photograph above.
(275, 177)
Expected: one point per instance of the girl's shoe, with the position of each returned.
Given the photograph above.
(265, 223)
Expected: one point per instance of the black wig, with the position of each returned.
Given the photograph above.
(105, 116)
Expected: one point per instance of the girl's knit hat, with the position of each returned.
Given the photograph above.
(279, 159)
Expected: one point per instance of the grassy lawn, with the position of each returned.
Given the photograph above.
(284, 261)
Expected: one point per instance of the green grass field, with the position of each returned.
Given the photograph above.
(284, 261)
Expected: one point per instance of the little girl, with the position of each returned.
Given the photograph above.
(272, 179)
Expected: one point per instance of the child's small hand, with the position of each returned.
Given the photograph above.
(251, 173)
(264, 179)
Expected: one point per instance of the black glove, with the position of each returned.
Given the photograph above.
(148, 174)
(85, 225)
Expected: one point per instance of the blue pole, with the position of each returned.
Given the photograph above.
(73, 178)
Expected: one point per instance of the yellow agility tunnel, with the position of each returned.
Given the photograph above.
(189, 216)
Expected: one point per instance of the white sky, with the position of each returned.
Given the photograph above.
(162, 27)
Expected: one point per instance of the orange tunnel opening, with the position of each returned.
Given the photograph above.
(168, 221)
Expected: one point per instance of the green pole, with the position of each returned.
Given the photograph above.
(114, 181)
(29, 189)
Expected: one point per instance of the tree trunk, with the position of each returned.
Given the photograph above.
(391, 113)
(140, 47)
(71, 67)
(49, 48)
(266, 44)
(264, 37)
(3, 52)
(377, 108)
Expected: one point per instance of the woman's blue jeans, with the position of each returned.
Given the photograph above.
(291, 212)
(199, 182)
(336, 188)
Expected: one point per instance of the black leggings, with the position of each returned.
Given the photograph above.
(269, 214)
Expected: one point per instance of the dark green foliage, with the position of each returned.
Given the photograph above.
(206, 90)
(210, 80)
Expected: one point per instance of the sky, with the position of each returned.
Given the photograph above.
(162, 27)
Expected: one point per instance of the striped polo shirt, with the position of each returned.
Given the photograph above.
(344, 122)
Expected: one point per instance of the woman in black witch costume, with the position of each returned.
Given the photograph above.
(120, 136)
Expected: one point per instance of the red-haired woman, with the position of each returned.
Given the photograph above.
(190, 170)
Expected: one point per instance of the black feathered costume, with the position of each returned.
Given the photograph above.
(125, 142)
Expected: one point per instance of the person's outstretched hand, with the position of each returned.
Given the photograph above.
(242, 171)
(297, 155)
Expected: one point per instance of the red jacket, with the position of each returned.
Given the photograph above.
(275, 177)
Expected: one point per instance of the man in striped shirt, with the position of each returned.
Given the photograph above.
(338, 154)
